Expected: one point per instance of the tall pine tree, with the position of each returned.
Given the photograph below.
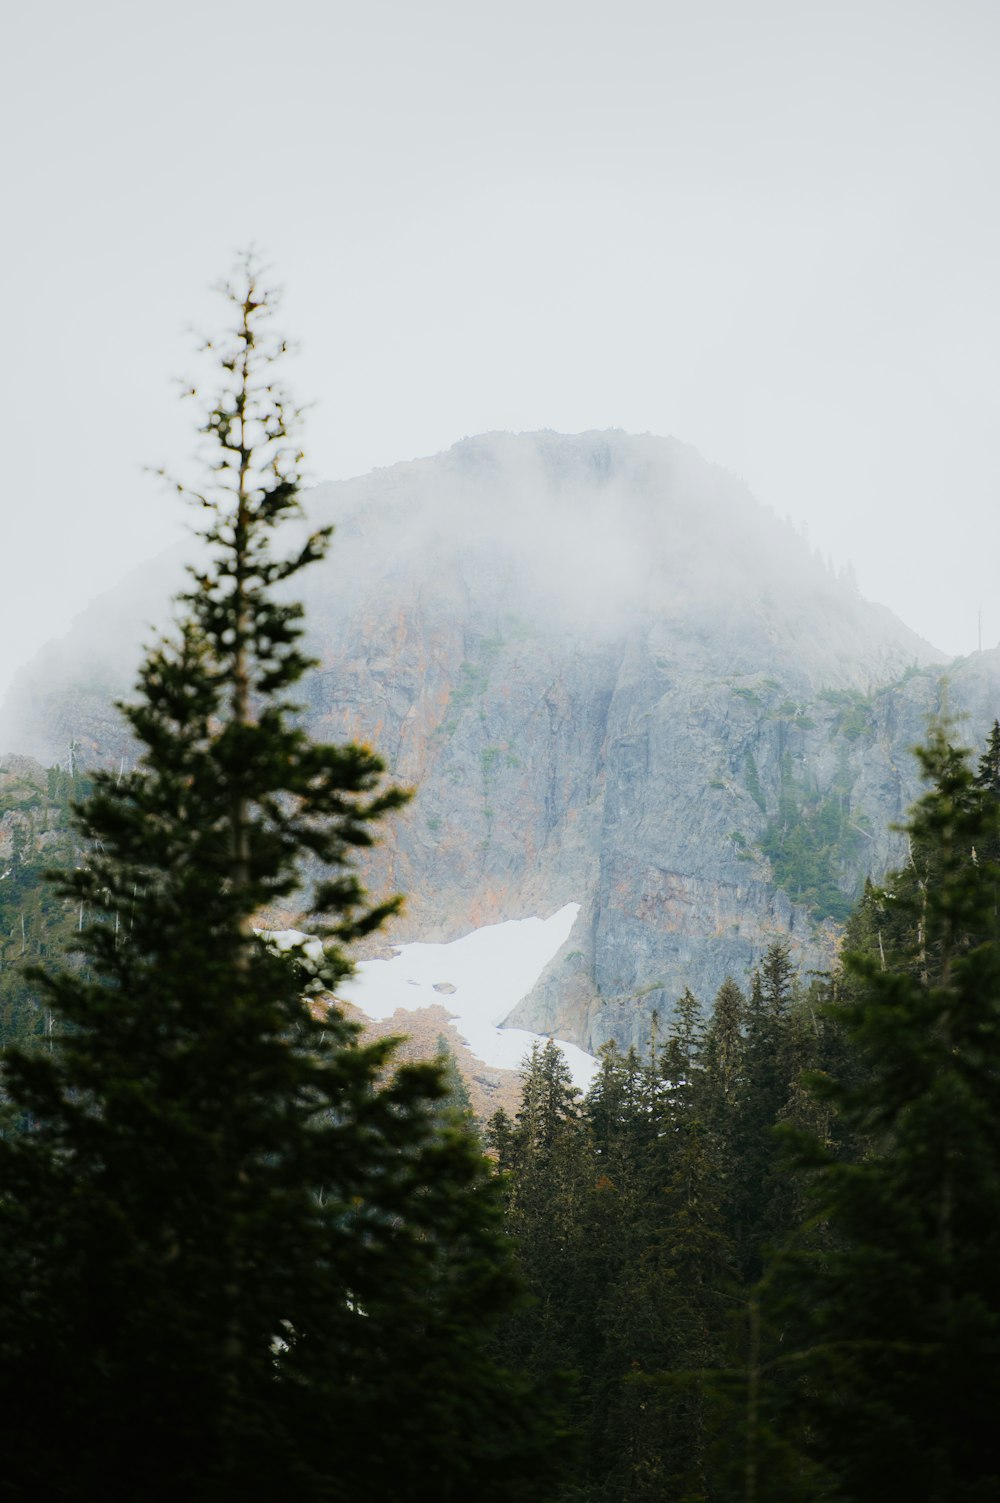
(239, 1256)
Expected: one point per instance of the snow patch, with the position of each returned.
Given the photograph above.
(290, 939)
(483, 975)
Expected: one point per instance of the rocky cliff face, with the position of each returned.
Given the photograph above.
(613, 679)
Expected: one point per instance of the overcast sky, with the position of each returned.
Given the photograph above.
(768, 227)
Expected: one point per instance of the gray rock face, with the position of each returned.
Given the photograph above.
(612, 678)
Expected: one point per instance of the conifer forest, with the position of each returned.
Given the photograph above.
(250, 1252)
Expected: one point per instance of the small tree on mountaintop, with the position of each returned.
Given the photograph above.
(240, 1258)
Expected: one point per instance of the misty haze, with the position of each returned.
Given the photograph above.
(499, 939)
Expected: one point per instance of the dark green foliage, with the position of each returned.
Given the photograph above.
(542, 1151)
(988, 778)
(644, 1240)
(456, 1093)
(619, 1224)
(810, 842)
(35, 922)
(756, 1206)
(988, 772)
(753, 783)
(898, 1315)
(724, 1048)
(854, 712)
(780, 1289)
(240, 1257)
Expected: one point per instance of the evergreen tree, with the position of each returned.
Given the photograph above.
(690, 1254)
(759, 1205)
(988, 772)
(656, 1216)
(456, 1099)
(724, 1050)
(239, 1257)
(897, 1319)
(620, 1109)
(617, 1109)
(988, 778)
(545, 1152)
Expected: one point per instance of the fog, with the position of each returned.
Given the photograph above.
(581, 542)
(583, 534)
(770, 230)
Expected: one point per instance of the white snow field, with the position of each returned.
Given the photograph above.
(479, 979)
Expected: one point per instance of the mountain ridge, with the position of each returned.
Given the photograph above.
(614, 679)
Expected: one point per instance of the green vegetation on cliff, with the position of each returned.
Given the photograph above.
(36, 924)
(811, 842)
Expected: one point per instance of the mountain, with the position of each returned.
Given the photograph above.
(614, 680)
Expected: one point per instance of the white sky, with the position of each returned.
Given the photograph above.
(768, 227)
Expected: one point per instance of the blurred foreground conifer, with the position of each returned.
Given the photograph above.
(241, 1258)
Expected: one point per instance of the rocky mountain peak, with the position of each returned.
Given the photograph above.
(613, 678)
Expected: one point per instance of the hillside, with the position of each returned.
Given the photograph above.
(615, 680)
